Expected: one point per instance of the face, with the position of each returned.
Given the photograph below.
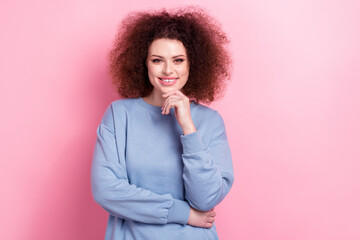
(168, 65)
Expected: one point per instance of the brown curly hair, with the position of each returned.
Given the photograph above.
(202, 37)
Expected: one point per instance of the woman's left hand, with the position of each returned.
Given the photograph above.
(176, 99)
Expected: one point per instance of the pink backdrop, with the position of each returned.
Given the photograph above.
(291, 111)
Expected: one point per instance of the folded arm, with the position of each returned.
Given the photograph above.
(112, 190)
(208, 172)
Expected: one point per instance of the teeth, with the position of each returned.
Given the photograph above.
(168, 80)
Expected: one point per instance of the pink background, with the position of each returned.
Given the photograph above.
(291, 111)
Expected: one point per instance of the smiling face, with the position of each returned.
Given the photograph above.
(168, 66)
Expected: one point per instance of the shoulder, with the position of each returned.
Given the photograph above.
(205, 112)
(207, 120)
(117, 110)
(123, 104)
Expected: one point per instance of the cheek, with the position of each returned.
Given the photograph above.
(153, 70)
(150, 70)
(185, 72)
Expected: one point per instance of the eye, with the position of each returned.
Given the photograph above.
(179, 60)
(156, 60)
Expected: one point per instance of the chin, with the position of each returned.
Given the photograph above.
(169, 89)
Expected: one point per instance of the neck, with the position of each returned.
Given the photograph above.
(155, 99)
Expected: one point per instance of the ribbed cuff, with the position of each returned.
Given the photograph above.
(179, 212)
(192, 142)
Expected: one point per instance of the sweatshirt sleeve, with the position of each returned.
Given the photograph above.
(112, 190)
(208, 171)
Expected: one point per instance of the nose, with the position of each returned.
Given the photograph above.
(168, 69)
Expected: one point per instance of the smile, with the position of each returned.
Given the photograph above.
(168, 81)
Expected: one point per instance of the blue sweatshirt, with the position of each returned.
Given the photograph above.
(146, 174)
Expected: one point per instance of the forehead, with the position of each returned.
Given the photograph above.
(167, 47)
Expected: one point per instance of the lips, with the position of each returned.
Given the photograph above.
(168, 81)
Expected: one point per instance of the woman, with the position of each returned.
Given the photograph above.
(162, 161)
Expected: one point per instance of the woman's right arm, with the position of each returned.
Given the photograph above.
(112, 190)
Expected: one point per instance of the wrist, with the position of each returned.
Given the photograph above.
(190, 216)
(189, 129)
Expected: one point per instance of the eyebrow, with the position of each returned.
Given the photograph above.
(181, 55)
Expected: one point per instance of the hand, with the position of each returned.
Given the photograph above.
(181, 103)
(201, 219)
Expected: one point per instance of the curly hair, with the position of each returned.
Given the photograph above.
(202, 37)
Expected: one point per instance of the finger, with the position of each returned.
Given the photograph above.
(171, 97)
(170, 104)
(211, 219)
(176, 95)
(167, 100)
(164, 107)
(179, 93)
(208, 225)
(212, 213)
